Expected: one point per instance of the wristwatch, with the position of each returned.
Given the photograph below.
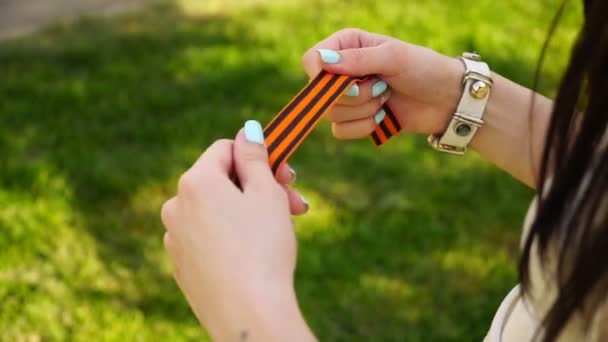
(468, 118)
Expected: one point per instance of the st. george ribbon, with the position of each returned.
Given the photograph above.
(288, 129)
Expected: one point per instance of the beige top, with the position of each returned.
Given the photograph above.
(517, 318)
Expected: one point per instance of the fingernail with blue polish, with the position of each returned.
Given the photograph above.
(254, 132)
(353, 91)
(380, 116)
(329, 56)
(378, 88)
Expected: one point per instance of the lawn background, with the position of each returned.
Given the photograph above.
(98, 118)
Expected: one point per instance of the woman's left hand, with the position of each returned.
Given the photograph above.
(233, 247)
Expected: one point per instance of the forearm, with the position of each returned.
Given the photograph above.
(511, 138)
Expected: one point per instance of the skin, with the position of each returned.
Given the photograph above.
(234, 248)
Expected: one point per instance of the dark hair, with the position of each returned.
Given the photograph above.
(572, 208)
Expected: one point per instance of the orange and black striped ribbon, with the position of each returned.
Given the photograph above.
(388, 127)
(288, 129)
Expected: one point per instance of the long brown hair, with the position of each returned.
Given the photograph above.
(572, 211)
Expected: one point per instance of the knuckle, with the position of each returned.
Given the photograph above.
(334, 115)
(223, 141)
(305, 57)
(187, 183)
(396, 51)
(393, 47)
(338, 132)
(310, 62)
(351, 31)
(221, 144)
(166, 213)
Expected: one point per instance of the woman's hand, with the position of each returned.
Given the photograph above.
(423, 86)
(233, 247)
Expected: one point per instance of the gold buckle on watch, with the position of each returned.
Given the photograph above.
(434, 142)
(463, 125)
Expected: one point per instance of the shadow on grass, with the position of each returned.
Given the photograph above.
(119, 106)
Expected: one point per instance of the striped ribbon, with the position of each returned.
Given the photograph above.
(288, 129)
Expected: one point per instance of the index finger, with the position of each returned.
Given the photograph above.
(216, 159)
(350, 38)
(212, 168)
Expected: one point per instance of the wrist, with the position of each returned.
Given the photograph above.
(449, 94)
(263, 312)
(282, 318)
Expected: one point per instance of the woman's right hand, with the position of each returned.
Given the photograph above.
(423, 86)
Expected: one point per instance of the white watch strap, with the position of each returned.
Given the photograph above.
(469, 105)
(468, 116)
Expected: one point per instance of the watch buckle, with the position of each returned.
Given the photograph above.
(434, 142)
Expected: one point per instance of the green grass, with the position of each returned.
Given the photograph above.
(99, 118)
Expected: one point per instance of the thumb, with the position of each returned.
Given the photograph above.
(251, 157)
(381, 60)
